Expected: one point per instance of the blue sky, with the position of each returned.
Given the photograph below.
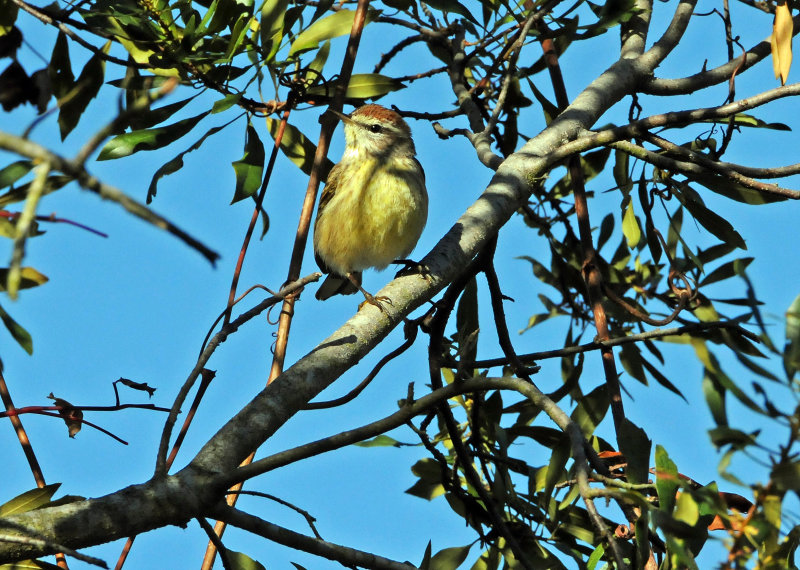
(139, 303)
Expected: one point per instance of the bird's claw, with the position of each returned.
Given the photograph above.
(376, 301)
(411, 267)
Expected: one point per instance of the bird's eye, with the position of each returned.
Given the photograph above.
(375, 128)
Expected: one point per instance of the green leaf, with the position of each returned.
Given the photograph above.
(723, 435)
(635, 446)
(687, 510)
(596, 557)
(250, 168)
(548, 108)
(14, 172)
(8, 15)
(148, 139)
(226, 102)
(60, 68)
(426, 558)
(661, 379)
(452, 6)
(176, 163)
(298, 148)
(726, 187)
(241, 561)
(29, 500)
(467, 325)
(791, 351)
(240, 29)
(73, 103)
(30, 278)
(361, 86)
(449, 558)
(379, 441)
(743, 120)
(271, 30)
(621, 173)
(22, 336)
(714, 223)
(429, 485)
(630, 226)
(726, 271)
(591, 410)
(332, 26)
(714, 393)
(152, 117)
(611, 14)
(667, 481)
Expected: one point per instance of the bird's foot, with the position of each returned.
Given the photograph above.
(376, 301)
(411, 267)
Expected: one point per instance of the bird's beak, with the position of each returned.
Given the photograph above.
(341, 116)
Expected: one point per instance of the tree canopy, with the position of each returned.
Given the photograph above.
(592, 168)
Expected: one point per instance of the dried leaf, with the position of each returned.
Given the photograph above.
(781, 41)
(72, 416)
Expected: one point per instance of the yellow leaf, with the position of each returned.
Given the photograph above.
(781, 41)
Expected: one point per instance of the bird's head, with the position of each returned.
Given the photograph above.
(376, 130)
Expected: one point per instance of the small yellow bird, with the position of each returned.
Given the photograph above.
(374, 206)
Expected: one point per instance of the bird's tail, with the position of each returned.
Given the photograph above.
(337, 285)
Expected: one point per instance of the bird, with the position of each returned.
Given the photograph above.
(374, 206)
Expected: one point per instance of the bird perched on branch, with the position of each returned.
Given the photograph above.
(374, 206)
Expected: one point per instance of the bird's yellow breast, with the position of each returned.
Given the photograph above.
(375, 215)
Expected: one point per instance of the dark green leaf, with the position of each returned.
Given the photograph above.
(22, 336)
(714, 393)
(14, 172)
(661, 379)
(725, 271)
(548, 108)
(714, 223)
(148, 139)
(60, 68)
(73, 103)
(631, 359)
(726, 187)
(723, 435)
(453, 6)
(467, 321)
(743, 120)
(591, 410)
(241, 561)
(250, 168)
(429, 484)
(635, 446)
(176, 163)
(152, 117)
(612, 13)
(791, 351)
(30, 278)
(606, 229)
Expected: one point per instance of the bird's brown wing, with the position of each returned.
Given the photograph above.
(330, 187)
(327, 194)
(337, 285)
